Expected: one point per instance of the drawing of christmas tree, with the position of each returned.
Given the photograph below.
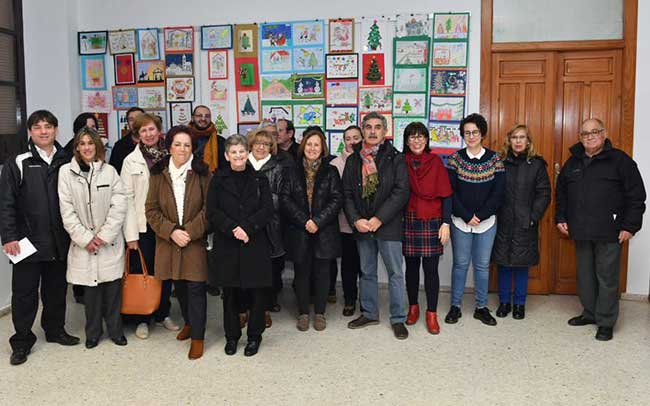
(438, 83)
(406, 108)
(248, 109)
(313, 62)
(448, 24)
(220, 124)
(367, 101)
(374, 37)
(373, 74)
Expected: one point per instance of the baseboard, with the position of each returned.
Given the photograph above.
(634, 297)
(5, 310)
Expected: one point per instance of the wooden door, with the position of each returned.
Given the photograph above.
(524, 93)
(588, 85)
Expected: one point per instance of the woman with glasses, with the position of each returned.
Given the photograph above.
(477, 179)
(527, 195)
(426, 222)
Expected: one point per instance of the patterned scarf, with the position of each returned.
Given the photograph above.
(153, 154)
(369, 175)
(310, 176)
(211, 148)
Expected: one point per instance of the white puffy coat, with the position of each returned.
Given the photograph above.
(135, 176)
(93, 206)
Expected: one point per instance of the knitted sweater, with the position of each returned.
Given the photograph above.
(478, 184)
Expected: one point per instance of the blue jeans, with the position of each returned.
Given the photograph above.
(476, 248)
(391, 253)
(506, 274)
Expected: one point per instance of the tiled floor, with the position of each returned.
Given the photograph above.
(537, 361)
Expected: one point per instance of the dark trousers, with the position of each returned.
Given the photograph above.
(147, 243)
(320, 269)
(334, 271)
(431, 280)
(257, 307)
(598, 280)
(26, 277)
(102, 302)
(194, 303)
(350, 269)
(520, 276)
(277, 266)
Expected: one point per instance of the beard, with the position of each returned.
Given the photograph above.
(202, 127)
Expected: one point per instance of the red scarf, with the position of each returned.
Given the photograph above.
(429, 185)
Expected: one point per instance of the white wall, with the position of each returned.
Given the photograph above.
(52, 67)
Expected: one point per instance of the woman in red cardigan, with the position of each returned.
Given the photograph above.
(426, 222)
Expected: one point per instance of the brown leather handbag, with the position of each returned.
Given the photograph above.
(140, 292)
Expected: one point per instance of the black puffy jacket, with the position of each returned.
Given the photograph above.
(527, 195)
(29, 204)
(274, 172)
(327, 201)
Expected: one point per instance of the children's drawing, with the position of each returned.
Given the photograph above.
(148, 45)
(373, 70)
(276, 60)
(308, 114)
(93, 74)
(178, 39)
(124, 97)
(341, 35)
(151, 97)
(447, 109)
(409, 105)
(180, 89)
(379, 98)
(92, 42)
(341, 92)
(96, 101)
(308, 87)
(122, 42)
(275, 35)
(180, 113)
(218, 90)
(217, 64)
(409, 25)
(179, 64)
(451, 26)
(150, 71)
(276, 87)
(274, 112)
(216, 36)
(411, 79)
(340, 118)
(336, 144)
(373, 34)
(412, 52)
(308, 33)
(448, 82)
(310, 59)
(450, 54)
(246, 40)
(445, 135)
(248, 107)
(124, 69)
(342, 66)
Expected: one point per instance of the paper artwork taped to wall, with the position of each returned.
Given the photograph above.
(217, 64)
(93, 73)
(150, 71)
(410, 25)
(308, 33)
(379, 98)
(412, 52)
(274, 112)
(218, 90)
(411, 79)
(122, 42)
(308, 114)
(124, 69)
(179, 64)
(98, 101)
(276, 87)
(445, 136)
(245, 40)
(373, 70)
(340, 118)
(180, 89)
(448, 82)
(92, 42)
(451, 26)
(179, 39)
(275, 35)
(374, 34)
(342, 66)
(276, 60)
(308, 87)
(447, 108)
(309, 59)
(409, 105)
(124, 97)
(148, 45)
(341, 35)
(336, 144)
(180, 113)
(450, 54)
(248, 107)
(341, 92)
(216, 36)
(151, 97)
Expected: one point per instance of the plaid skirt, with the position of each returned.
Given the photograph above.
(420, 237)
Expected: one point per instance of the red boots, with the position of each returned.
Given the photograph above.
(414, 315)
(432, 322)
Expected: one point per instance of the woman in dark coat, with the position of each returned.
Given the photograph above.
(310, 200)
(527, 195)
(239, 207)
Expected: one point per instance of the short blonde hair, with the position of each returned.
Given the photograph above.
(263, 134)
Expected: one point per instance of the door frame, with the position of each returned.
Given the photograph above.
(627, 44)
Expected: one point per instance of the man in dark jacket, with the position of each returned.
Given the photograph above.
(126, 144)
(29, 208)
(376, 188)
(599, 203)
(210, 145)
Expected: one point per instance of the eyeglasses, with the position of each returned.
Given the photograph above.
(518, 138)
(590, 134)
(474, 133)
(262, 144)
(417, 137)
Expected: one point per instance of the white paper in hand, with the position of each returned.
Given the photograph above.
(26, 249)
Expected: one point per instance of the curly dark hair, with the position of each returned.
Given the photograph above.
(477, 120)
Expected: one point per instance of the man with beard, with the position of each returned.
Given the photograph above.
(126, 144)
(210, 145)
(286, 140)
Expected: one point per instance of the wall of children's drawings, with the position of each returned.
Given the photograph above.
(328, 73)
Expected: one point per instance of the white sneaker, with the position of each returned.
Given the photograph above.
(142, 331)
(169, 324)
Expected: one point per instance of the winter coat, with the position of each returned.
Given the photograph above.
(135, 176)
(390, 199)
(29, 204)
(527, 195)
(274, 172)
(339, 164)
(93, 205)
(173, 262)
(326, 204)
(600, 196)
(239, 264)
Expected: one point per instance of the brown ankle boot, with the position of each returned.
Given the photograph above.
(196, 349)
(432, 322)
(184, 334)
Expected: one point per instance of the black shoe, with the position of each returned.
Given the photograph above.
(453, 315)
(348, 310)
(231, 347)
(580, 321)
(120, 341)
(213, 291)
(252, 347)
(484, 315)
(518, 312)
(63, 339)
(361, 322)
(504, 309)
(605, 333)
(91, 343)
(19, 356)
(400, 331)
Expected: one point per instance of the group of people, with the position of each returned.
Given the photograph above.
(204, 211)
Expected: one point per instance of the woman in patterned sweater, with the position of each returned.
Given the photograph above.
(477, 179)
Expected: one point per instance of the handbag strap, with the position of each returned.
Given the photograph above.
(127, 265)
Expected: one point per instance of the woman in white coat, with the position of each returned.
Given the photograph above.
(138, 234)
(93, 208)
